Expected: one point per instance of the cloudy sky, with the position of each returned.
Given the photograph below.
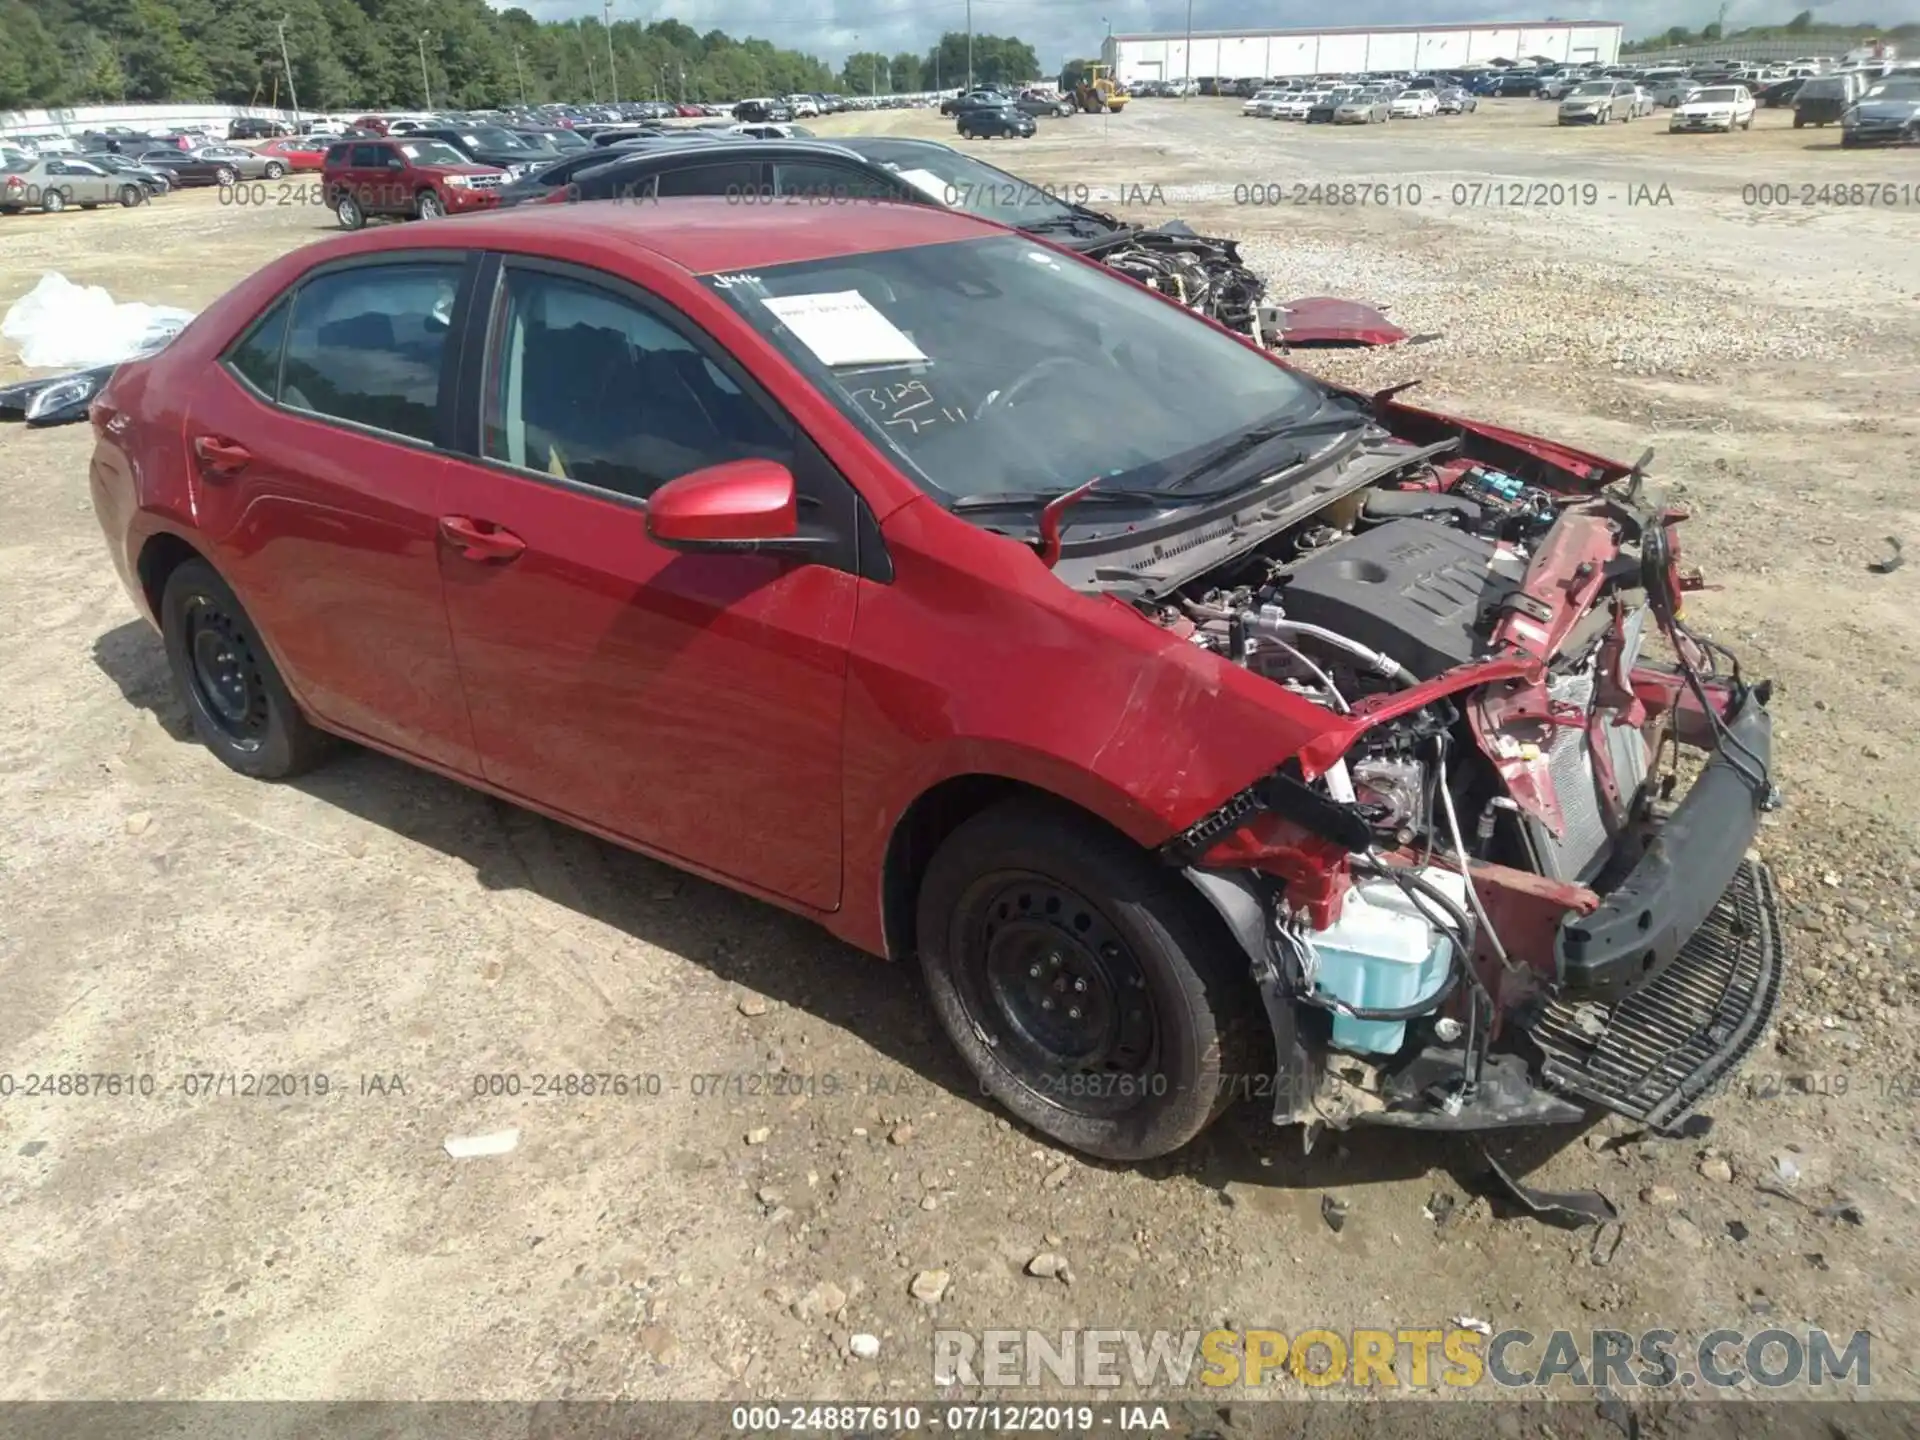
(1061, 28)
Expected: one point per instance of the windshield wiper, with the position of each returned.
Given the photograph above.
(1245, 444)
(1030, 499)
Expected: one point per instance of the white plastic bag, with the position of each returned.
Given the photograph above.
(64, 325)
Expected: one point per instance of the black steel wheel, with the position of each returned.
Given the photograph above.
(1053, 987)
(239, 706)
(1091, 989)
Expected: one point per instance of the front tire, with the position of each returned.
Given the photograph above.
(130, 196)
(226, 177)
(1088, 987)
(239, 706)
(428, 206)
(274, 170)
(52, 202)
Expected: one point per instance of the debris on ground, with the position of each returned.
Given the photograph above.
(1566, 1208)
(1473, 1323)
(1334, 1212)
(1893, 562)
(476, 1147)
(1439, 1207)
(928, 1286)
(1048, 1265)
(864, 1347)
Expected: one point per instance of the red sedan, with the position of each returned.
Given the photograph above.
(300, 152)
(1307, 750)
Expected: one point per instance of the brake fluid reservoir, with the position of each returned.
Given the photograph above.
(1383, 954)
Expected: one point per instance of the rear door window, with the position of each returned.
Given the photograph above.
(369, 346)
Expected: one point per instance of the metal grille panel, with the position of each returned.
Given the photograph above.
(1657, 1051)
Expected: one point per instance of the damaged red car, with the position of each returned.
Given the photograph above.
(1204, 730)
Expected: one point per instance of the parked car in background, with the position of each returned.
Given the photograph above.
(803, 107)
(156, 180)
(1716, 107)
(1414, 104)
(1887, 114)
(324, 125)
(1456, 101)
(1823, 99)
(1322, 111)
(255, 128)
(989, 123)
(1298, 104)
(761, 111)
(216, 165)
(58, 182)
(1364, 107)
(1780, 94)
(404, 176)
(488, 145)
(1595, 102)
(302, 153)
(1043, 102)
(1260, 104)
(772, 130)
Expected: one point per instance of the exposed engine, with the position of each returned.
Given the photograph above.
(1380, 591)
(1202, 272)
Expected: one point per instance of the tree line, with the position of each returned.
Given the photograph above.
(1817, 33)
(384, 54)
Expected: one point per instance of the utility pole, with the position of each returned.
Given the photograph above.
(873, 82)
(969, 44)
(613, 79)
(426, 82)
(1186, 88)
(292, 94)
(593, 86)
(519, 72)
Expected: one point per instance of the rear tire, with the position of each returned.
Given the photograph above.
(1030, 908)
(226, 177)
(274, 170)
(348, 211)
(240, 707)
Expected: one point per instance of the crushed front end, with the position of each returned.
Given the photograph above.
(1512, 879)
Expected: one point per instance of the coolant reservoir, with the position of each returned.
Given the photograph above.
(1383, 954)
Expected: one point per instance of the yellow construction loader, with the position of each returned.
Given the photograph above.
(1098, 92)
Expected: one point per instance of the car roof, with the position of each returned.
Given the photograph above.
(703, 235)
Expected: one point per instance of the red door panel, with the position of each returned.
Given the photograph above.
(690, 703)
(330, 538)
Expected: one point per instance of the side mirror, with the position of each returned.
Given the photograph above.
(741, 505)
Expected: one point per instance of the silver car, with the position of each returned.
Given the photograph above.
(1369, 107)
(57, 182)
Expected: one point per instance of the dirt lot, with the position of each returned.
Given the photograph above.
(402, 936)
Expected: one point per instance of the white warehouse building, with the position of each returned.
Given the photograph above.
(1263, 54)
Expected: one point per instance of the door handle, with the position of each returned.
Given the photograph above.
(221, 457)
(480, 540)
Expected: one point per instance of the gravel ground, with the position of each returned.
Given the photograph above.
(373, 921)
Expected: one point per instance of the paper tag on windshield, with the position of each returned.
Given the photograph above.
(930, 185)
(843, 328)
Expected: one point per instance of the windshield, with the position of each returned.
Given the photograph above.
(1905, 88)
(1719, 96)
(1605, 88)
(996, 367)
(433, 152)
(1823, 85)
(488, 138)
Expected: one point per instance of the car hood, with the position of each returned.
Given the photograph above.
(1887, 109)
(1715, 107)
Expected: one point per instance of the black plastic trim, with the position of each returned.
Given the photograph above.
(1641, 925)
